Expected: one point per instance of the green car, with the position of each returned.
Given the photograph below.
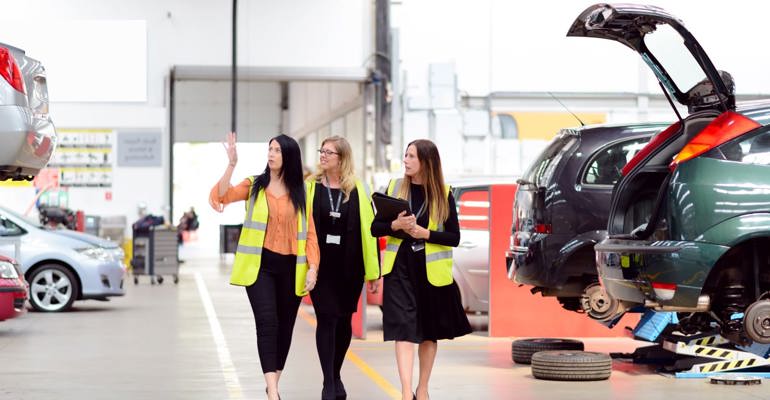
(689, 224)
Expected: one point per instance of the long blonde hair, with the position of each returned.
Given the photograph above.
(347, 172)
(432, 178)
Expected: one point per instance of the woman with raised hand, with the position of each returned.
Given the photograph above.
(421, 302)
(349, 255)
(277, 257)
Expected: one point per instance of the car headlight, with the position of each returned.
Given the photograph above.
(97, 253)
(8, 271)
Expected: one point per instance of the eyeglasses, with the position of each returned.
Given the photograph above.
(326, 153)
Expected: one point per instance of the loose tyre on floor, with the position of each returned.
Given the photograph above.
(571, 365)
(523, 349)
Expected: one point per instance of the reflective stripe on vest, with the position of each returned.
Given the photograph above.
(366, 216)
(248, 256)
(438, 258)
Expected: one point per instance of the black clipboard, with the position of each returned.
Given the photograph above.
(388, 207)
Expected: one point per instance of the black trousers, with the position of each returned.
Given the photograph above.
(275, 307)
(332, 338)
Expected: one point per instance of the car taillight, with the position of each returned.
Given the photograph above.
(543, 228)
(10, 70)
(656, 141)
(725, 127)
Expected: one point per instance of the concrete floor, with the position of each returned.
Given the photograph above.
(196, 340)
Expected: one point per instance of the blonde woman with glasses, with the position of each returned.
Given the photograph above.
(343, 213)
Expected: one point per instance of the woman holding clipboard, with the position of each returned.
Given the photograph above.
(421, 302)
(343, 213)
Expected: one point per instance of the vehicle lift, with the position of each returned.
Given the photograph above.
(702, 355)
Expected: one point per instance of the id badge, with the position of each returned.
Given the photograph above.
(418, 246)
(333, 239)
(334, 214)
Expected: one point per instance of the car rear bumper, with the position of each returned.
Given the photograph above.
(665, 275)
(532, 264)
(28, 142)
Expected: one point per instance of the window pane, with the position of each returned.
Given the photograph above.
(605, 167)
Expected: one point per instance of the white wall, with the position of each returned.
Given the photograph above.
(297, 33)
(502, 45)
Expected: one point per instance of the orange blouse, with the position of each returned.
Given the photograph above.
(281, 233)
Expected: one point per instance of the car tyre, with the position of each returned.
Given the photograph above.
(52, 288)
(523, 349)
(571, 365)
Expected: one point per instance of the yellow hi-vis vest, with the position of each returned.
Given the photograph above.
(366, 215)
(248, 256)
(438, 258)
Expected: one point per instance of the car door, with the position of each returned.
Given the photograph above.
(471, 258)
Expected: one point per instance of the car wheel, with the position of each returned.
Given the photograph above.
(571, 365)
(523, 349)
(598, 304)
(52, 288)
(756, 321)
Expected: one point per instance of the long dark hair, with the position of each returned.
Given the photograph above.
(432, 178)
(291, 172)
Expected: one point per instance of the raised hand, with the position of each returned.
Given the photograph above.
(232, 153)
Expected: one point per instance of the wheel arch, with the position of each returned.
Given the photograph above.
(579, 248)
(37, 265)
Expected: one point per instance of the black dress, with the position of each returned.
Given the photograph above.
(413, 309)
(341, 273)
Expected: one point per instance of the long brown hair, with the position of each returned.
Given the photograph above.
(347, 172)
(432, 178)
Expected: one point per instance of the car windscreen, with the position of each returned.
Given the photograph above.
(541, 171)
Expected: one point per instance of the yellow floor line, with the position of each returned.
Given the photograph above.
(378, 379)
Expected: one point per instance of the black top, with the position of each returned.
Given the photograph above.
(341, 271)
(449, 237)
(412, 308)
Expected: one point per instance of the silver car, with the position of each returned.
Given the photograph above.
(61, 266)
(471, 258)
(27, 134)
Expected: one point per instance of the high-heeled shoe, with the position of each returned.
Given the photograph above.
(339, 390)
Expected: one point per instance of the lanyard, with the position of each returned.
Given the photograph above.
(335, 213)
(422, 207)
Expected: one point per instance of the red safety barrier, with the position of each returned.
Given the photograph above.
(513, 309)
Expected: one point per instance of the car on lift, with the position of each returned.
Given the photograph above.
(689, 222)
(13, 289)
(560, 211)
(26, 130)
(61, 266)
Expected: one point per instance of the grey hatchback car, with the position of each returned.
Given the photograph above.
(26, 131)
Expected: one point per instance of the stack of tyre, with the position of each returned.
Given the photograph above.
(561, 360)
